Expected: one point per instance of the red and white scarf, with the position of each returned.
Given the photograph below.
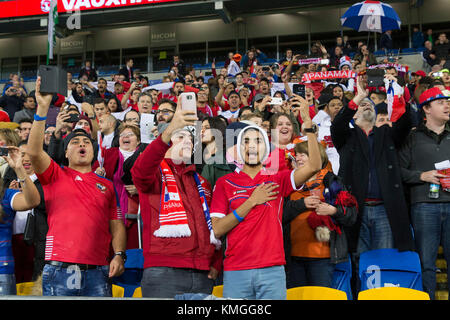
(173, 222)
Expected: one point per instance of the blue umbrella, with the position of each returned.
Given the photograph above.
(371, 16)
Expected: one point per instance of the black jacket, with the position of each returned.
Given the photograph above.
(91, 74)
(386, 42)
(338, 242)
(11, 104)
(423, 148)
(353, 148)
(124, 71)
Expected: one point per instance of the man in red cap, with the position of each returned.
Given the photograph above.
(427, 145)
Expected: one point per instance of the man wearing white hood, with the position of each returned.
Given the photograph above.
(247, 208)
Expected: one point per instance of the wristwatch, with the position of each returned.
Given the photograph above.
(122, 254)
(313, 129)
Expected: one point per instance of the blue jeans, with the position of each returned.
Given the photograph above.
(310, 272)
(263, 283)
(7, 284)
(375, 232)
(167, 282)
(431, 223)
(71, 281)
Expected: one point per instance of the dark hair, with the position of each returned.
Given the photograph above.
(241, 110)
(265, 80)
(119, 104)
(99, 101)
(218, 124)
(25, 120)
(165, 100)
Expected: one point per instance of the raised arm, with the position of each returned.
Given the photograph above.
(39, 158)
(29, 198)
(301, 175)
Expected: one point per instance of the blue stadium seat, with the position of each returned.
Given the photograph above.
(408, 50)
(389, 267)
(130, 280)
(341, 277)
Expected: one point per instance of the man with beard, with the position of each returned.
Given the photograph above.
(370, 167)
(247, 208)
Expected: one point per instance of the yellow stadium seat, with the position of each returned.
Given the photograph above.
(137, 293)
(393, 293)
(117, 291)
(24, 288)
(315, 293)
(218, 291)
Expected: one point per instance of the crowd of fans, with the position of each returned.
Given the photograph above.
(265, 187)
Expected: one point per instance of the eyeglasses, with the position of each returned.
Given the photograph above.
(164, 112)
(132, 120)
(126, 135)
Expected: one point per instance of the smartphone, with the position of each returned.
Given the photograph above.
(276, 101)
(188, 101)
(73, 118)
(375, 77)
(3, 151)
(265, 69)
(231, 80)
(437, 74)
(299, 89)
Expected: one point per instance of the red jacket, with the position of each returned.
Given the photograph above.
(196, 251)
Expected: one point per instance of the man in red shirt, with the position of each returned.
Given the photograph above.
(83, 216)
(247, 208)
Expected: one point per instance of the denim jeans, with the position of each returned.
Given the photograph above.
(375, 232)
(431, 223)
(310, 272)
(7, 284)
(71, 281)
(263, 283)
(166, 282)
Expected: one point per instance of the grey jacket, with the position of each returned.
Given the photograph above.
(422, 149)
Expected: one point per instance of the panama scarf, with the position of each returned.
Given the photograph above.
(173, 222)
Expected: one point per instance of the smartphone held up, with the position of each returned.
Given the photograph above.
(188, 101)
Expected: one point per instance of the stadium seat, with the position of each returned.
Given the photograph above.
(389, 268)
(393, 293)
(341, 278)
(315, 293)
(218, 291)
(24, 288)
(130, 280)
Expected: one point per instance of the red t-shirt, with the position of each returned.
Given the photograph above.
(79, 208)
(256, 242)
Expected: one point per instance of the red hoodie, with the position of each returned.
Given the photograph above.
(196, 251)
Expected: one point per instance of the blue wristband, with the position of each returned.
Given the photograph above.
(240, 219)
(37, 118)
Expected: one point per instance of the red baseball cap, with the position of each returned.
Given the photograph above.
(431, 95)
(419, 73)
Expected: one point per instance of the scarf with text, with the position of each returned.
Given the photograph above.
(173, 222)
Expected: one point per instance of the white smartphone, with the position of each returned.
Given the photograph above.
(276, 101)
(188, 101)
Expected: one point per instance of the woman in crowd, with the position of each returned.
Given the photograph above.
(114, 105)
(114, 170)
(213, 141)
(313, 221)
(8, 137)
(282, 134)
(24, 196)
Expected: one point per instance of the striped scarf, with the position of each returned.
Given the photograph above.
(173, 222)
